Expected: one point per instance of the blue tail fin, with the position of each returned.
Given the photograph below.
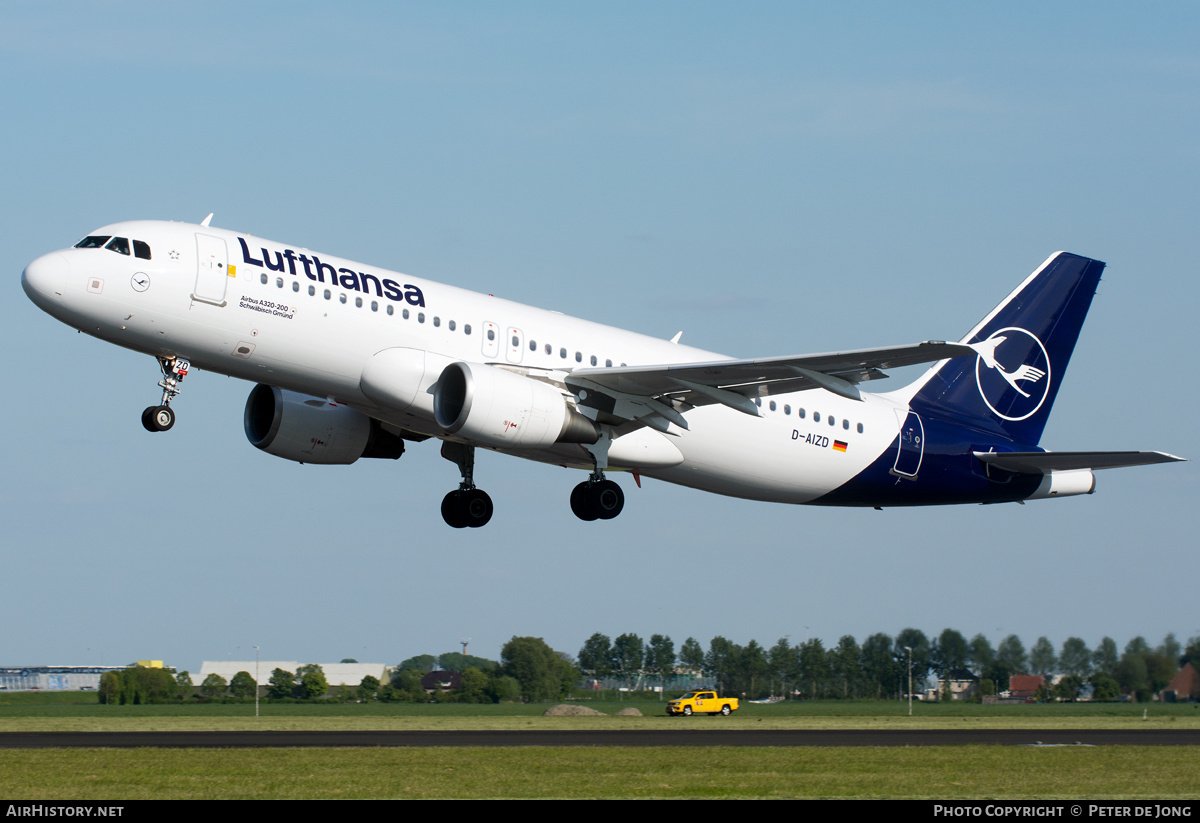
(1023, 347)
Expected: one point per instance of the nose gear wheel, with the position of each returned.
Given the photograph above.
(161, 418)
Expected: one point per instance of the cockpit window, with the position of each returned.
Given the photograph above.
(141, 249)
(118, 244)
(94, 241)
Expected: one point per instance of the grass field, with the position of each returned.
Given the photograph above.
(970, 772)
(79, 711)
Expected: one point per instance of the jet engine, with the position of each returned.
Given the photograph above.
(500, 408)
(311, 430)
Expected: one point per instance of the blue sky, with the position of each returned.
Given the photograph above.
(771, 178)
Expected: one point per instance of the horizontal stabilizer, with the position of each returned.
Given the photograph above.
(1045, 462)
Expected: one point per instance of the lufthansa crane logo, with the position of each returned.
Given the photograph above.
(1012, 372)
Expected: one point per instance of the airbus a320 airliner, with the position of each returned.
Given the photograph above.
(354, 361)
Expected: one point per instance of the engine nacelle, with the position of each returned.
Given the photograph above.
(311, 430)
(1065, 484)
(500, 408)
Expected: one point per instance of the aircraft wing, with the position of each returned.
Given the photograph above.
(648, 392)
(1044, 462)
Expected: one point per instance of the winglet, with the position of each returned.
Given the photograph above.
(207, 220)
(678, 335)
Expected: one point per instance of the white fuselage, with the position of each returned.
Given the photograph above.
(286, 317)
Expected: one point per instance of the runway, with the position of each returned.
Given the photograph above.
(632, 737)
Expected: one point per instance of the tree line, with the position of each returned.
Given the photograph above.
(529, 670)
(139, 684)
(878, 667)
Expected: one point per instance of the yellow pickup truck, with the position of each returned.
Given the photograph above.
(702, 701)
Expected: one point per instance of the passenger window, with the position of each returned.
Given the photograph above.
(562, 353)
(312, 290)
(467, 328)
(549, 349)
(141, 249)
(279, 282)
(608, 364)
(816, 417)
(358, 302)
(118, 244)
(832, 420)
(860, 430)
(758, 402)
(295, 285)
(420, 317)
(787, 409)
(342, 297)
(846, 425)
(391, 309)
(437, 321)
(491, 335)
(516, 344)
(262, 278)
(772, 405)
(452, 325)
(327, 295)
(533, 345)
(578, 357)
(404, 314)
(800, 413)
(374, 306)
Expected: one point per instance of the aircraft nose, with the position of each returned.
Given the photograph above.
(45, 278)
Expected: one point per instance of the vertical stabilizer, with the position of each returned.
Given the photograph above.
(1023, 347)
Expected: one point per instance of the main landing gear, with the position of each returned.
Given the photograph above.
(468, 507)
(597, 498)
(161, 418)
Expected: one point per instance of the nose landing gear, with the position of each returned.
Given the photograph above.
(161, 418)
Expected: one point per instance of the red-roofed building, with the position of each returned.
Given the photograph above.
(1185, 685)
(1025, 685)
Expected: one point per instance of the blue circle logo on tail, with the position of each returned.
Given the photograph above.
(1012, 371)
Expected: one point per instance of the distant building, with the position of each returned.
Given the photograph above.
(53, 678)
(1025, 685)
(336, 674)
(1185, 685)
(958, 684)
(441, 680)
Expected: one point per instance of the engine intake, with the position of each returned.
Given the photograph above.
(308, 429)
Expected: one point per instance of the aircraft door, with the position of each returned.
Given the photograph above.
(515, 341)
(912, 446)
(212, 269)
(491, 340)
